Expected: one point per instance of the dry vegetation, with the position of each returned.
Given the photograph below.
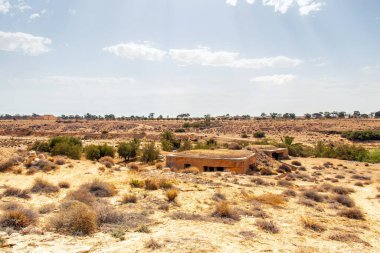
(307, 205)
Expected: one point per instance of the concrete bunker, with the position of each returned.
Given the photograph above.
(239, 161)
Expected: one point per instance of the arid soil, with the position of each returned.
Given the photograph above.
(322, 205)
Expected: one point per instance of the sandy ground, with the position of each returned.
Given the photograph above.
(207, 234)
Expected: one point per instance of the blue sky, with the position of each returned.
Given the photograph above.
(133, 57)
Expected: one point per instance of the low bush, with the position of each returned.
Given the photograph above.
(223, 210)
(363, 135)
(259, 134)
(151, 184)
(268, 198)
(313, 195)
(107, 161)
(135, 183)
(107, 214)
(81, 195)
(268, 226)
(101, 189)
(95, 152)
(16, 192)
(74, 218)
(165, 183)
(345, 200)
(128, 150)
(18, 218)
(66, 146)
(352, 213)
(312, 224)
(64, 185)
(43, 186)
(171, 194)
(296, 163)
(41, 146)
(129, 198)
(149, 153)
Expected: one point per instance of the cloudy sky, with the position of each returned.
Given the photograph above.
(133, 57)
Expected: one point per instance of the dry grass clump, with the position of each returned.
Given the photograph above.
(266, 172)
(74, 218)
(101, 189)
(347, 238)
(165, 183)
(8, 164)
(269, 198)
(64, 185)
(306, 202)
(283, 168)
(45, 165)
(296, 163)
(259, 213)
(313, 195)
(218, 196)
(129, 198)
(361, 177)
(81, 195)
(107, 214)
(152, 244)
(43, 186)
(16, 192)
(312, 224)
(341, 190)
(159, 166)
(352, 213)
(107, 161)
(18, 218)
(224, 210)
(191, 170)
(47, 208)
(345, 200)
(268, 226)
(171, 194)
(134, 166)
(259, 181)
(290, 193)
(151, 184)
(59, 160)
(284, 183)
(135, 183)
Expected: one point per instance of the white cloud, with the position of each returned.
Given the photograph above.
(24, 42)
(305, 7)
(4, 6)
(22, 6)
(371, 69)
(84, 81)
(203, 56)
(234, 2)
(276, 79)
(133, 50)
(34, 16)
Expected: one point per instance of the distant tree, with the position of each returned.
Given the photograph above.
(307, 115)
(263, 115)
(149, 153)
(273, 115)
(128, 150)
(377, 114)
(341, 114)
(356, 114)
(151, 115)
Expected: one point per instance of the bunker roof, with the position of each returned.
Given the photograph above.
(215, 154)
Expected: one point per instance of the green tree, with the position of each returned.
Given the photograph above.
(128, 150)
(149, 153)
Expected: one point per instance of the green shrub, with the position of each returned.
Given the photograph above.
(41, 146)
(92, 152)
(373, 156)
(364, 135)
(128, 150)
(95, 152)
(66, 145)
(106, 150)
(259, 134)
(180, 130)
(149, 153)
(67, 149)
(169, 141)
(186, 145)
